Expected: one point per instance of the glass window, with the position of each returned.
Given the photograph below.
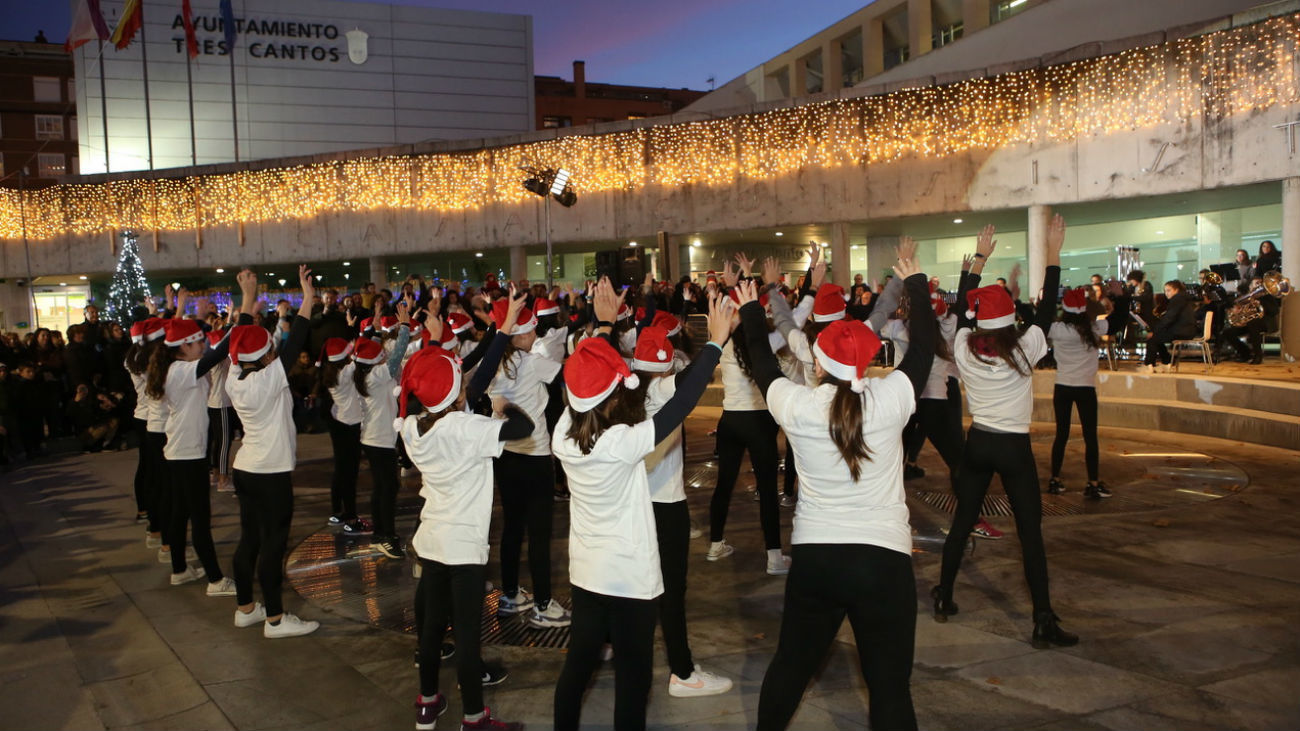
(552, 122)
(51, 164)
(49, 127)
(814, 81)
(46, 89)
(851, 57)
(72, 90)
(1007, 8)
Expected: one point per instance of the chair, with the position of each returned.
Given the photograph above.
(1202, 342)
(1108, 349)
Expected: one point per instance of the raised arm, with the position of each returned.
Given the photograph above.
(763, 364)
(1052, 277)
(403, 338)
(814, 256)
(971, 270)
(301, 327)
(647, 295)
(921, 330)
(495, 349)
(781, 314)
(690, 388)
(885, 305)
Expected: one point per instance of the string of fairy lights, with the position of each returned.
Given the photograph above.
(1208, 77)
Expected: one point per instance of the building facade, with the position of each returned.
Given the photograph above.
(563, 103)
(38, 114)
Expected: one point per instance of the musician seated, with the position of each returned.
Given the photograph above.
(1177, 323)
(1246, 320)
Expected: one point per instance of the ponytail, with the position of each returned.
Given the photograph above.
(359, 379)
(160, 361)
(846, 426)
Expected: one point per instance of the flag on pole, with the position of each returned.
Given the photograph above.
(187, 20)
(228, 25)
(87, 25)
(128, 25)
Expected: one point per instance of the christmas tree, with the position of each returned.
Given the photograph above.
(128, 288)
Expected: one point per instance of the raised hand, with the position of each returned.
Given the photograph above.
(648, 285)
(819, 274)
(906, 268)
(513, 309)
(435, 326)
(746, 292)
(771, 271)
(1055, 234)
(403, 310)
(719, 318)
(966, 261)
(745, 264)
(308, 288)
(729, 277)
(906, 247)
(604, 302)
(814, 254)
(984, 242)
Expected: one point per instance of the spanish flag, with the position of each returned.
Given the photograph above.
(129, 24)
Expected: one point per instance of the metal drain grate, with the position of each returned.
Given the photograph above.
(993, 504)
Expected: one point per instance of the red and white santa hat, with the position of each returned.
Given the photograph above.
(937, 302)
(335, 350)
(458, 322)
(624, 312)
(668, 322)
(368, 352)
(654, 354)
(543, 307)
(182, 330)
(366, 323)
(147, 330)
(593, 372)
(1075, 300)
(526, 322)
(829, 305)
(248, 343)
(387, 323)
(215, 336)
(711, 276)
(448, 339)
(434, 376)
(992, 306)
(735, 297)
(845, 350)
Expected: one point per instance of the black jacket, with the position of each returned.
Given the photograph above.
(1179, 320)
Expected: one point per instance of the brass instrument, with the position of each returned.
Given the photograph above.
(1248, 308)
(1212, 279)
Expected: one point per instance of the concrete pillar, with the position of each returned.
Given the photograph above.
(1290, 244)
(841, 262)
(881, 256)
(920, 20)
(799, 78)
(1035, 251)
(16, 307)
(833, 66)
(519, 263)
(378, 272)
(974, 15)
(873, 48)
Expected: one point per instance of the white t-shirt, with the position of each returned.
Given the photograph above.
(141, 404)
(801, 349)
(155, 413)
(613, 548)
(265, 408)
(187, 412)
(455, 463)
(832, 507)
(998, 396)
(665, 463)
(739, 392)
(347, 408)
(217, 398)
(1076, 361)
(551, 345)
(527, 390)
(936, 386)
(379, 409)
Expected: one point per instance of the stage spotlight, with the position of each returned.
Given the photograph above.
(566, 197)
(537, 186)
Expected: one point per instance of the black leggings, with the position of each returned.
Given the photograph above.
(1012, 459)
(221, 429)
(1064, 398)
(875, 588)
(451, 593)
(755, 432)
(265, 513)
(791, 470)
(190, 504)
(142, 472)
(383, 495)
(673, 527)
(346, 441)
(527, 485)
(628, 625)
(938, 421)
(158, 495)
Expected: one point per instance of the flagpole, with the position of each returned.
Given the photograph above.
(189, 84)
(144, 64)
(234, 113)
(103, 105)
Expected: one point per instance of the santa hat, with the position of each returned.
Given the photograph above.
(829, 305)
(335, 350)
(1075, 300)
(366, 323)
(387, 323)
(248, 343)
(711, 276)
(181, 331)
(735, 297)
(937, 301)
(448, 339)
(993, 305)
(526, 322)
(624, 312)
(458, 322)
(653, 351)
(434, 376)
(147, 330)
(543, 307)
(367, 352)
(845, 349)
(669, 323)
(215, 336)
(592, 373)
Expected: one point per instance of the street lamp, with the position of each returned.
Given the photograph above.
(550, 183)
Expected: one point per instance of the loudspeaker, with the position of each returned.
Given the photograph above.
(631, 265)
(607, 265)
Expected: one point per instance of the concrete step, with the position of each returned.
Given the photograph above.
(1202, 389)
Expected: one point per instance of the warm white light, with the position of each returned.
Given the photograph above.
(778, 233)
(82, 277)
(478, 255)
(63, 284)
(281, 282)
(220, 270)
(695, 243)
(1160, 233)
(631, 243)
(956, 220)
(318, 277)
(347, 263)
(347, 276)
(176, 285)
(854, 247)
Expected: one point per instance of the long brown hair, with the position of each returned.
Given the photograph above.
(329, 375)
(507, 365)
(846, 425)
(1082, 324)
(359, 378)
(426, 419)
(1003, 343)
(586, 427)
(137, 356)
(160, 361)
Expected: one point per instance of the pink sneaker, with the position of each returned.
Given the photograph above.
(984, 530)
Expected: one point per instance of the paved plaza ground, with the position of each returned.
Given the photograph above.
(1185, 590)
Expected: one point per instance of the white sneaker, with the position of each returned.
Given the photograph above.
(417, 569)
(607, 652)
(696, 532)
(289, 626)
(152, 541)
(225, 587)
(189, 574)
(251, 618)
(508, 605)
(700, 683)
(719, 549)
(164, 556)
(190, 555)
(778, 566)
(552, 615)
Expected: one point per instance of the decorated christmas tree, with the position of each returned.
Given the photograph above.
(128, 287)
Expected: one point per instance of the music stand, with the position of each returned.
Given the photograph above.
(1227, 271)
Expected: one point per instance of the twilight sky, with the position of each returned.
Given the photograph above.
(671, 43)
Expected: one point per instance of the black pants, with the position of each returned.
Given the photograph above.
(527, 485)
(1064, 400)
(159, 496)
(190, 504)
(1157, 352)
(628, 625)
(141, 471)
(755, 432)
(451, 593)
(346, 440)
(791, 470)
(265, 513)
(383, 495)
(1012, 459)
(872, 586)
(673, 527)
(1253, 331)
(938, 421)
(221, 430)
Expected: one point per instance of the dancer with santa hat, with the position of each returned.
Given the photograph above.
(1075, 340)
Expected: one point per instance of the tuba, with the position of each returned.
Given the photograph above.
(1248, 308)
